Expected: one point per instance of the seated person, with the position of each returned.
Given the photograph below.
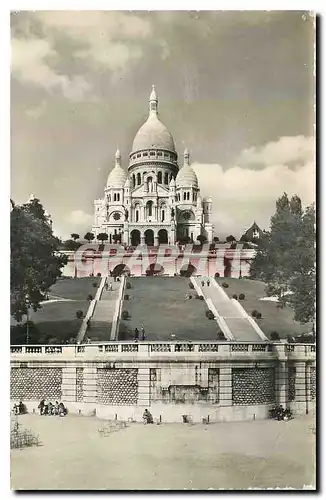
(22, 408)
(62, 410)
(147, 416)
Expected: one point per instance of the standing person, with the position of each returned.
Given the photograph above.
(142, 329)
(203, 283)
(136, 334)
(208, 282)
(41, 406)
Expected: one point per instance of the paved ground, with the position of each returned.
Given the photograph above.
(74, 456)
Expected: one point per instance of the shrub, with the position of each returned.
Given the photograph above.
(217, 275)
(234, 296)
(94, 285)
(209, 314)
(128, 285)
(90, 297)
(242, 296)
(125, 315)
(191, 285)
(258, 315)
(220, 336)
(99, 275)
(275, 336)
(126, 297)
(79, 314)
(190, 296)
(201, 297)
(225, 285)
(254, 313)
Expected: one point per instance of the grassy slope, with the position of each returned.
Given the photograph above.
(159, 304)
(273, 319)
(75, 288)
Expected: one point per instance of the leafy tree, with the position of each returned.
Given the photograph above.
(70, 245)
(201, 238)
(35, 262)
(89, 237)
(286, 258)
(216, 239)
(230, 238)
(183, 240)
(102, 237)
(75, 236)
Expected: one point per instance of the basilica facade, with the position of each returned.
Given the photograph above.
(153, 201)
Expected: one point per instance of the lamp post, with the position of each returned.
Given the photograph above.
(27, 302)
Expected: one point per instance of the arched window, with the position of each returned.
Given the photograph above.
(159, 178)
(163, 215)
(188, 196)
(171, 177)
(118, 196)
(184, 196)
(138, 179)
(166, 178)
(137, 215)
(149, 206)
(109, 198)
(114, 197)
(133, 181)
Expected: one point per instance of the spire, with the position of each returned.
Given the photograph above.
(186, 157)
(153, 102)
(117, 158)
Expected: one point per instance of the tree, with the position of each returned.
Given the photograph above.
(71, 245)
(201, 238)
(183, 240)
(230, 238)
(102, 237)
(75, 236)
(216, 239)
(285, 260)
(35, 262)
(89, 237)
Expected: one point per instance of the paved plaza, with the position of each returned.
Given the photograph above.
(74, 455)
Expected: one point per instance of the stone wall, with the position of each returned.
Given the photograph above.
(30, 384)
(117, 386)
(252, 386)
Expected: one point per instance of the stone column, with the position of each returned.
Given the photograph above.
(90, 383)
(156, 240)
(142, 239)
(300, 388)
(143, 387)
(282, 383)
(68, 386)
(225, 392)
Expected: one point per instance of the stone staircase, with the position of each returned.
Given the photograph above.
(101, 322)
(240, 326)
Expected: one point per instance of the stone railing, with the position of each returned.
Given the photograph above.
(166, 349)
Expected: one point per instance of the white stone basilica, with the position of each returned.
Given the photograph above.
(153, 201)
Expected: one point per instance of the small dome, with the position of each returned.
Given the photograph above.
(117, 177)
(186, 177)
(172, 183)
(127, 183)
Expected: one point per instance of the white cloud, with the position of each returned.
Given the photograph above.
(79, 221)
(29, 64)
(241, 195)
(286, 150)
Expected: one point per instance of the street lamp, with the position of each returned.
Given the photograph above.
(27, 302)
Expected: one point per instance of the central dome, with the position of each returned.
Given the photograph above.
(153, 134)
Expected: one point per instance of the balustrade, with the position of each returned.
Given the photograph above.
(239, 347)
(53, 349)
(208, 347)
(160, 348)
(129, 348)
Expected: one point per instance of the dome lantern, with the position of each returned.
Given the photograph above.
(153, 102)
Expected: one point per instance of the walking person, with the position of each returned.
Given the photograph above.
(142, 329)
(203, 283)
(208, 282)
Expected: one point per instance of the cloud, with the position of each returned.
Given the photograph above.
(30, 64)
(79, 221)
(241, 195)
(287, 150)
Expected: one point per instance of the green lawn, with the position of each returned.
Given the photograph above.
(159, 304)
(273, 319)
(75, 288)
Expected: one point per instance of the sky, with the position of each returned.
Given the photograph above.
(235, 88)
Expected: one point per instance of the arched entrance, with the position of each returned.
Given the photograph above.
(120, 269)
(155, 270)
(187, 270)
(135, 237)
(149, 237)
(162, 236)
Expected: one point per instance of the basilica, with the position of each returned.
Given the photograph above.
(153, 201)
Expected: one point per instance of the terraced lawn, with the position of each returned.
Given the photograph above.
(74, 288)
(273, 319)
(159, 304)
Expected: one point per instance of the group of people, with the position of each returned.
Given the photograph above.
(279, 413)
(19, 409)
(142, 333)
(47, 408)
(108, 286)
(207, 282)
